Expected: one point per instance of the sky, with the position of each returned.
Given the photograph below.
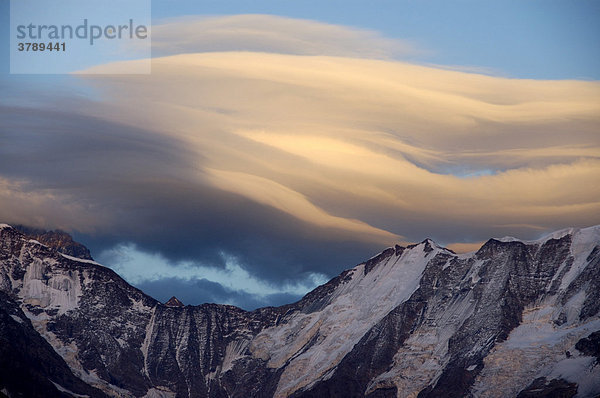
(276, 144)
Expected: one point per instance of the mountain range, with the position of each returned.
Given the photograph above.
(513, 319)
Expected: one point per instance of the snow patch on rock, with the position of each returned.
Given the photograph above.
(533, 349)
(17, 319)
(312, 344)
(50, 287)
(71, 393)
(159, 392)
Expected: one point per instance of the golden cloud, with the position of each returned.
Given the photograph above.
(345, 143)
(45, 208)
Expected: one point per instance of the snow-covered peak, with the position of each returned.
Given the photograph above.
(508, 239)
(434, 244)
(560, 234)
(588, 234)
(584, 241)
(362, 300)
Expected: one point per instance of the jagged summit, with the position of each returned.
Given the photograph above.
(174, 302)
(583, 232)
(57, 239)
(410, 321)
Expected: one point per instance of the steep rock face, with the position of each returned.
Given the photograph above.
(59, 240)
(28, 364)
(189, 349)
(92, 318)
(112, 335)
(411, 321)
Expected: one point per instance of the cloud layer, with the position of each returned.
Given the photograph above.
(329, 140)
(295, 159)
(273, 34)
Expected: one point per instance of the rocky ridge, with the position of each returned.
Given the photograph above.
(57, 239)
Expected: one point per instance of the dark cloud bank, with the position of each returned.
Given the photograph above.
(200, 291)
(138, 188)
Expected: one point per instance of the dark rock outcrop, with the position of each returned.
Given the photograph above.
(543, 388)
(29, 366)
(57, 239)
(174, 302)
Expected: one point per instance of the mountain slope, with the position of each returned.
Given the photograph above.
(28, 364)
(514, 318)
